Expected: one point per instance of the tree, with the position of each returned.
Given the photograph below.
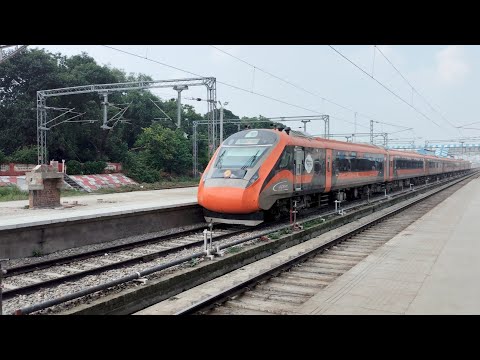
(260, 122)
(34, 70)
(25, 155)
(20, 79)
(3, 157)
(136, 168)
(165, 149)
(162, 146)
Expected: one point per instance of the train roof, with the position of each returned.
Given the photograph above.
(303, 139)
(409, 153)
(341, 144)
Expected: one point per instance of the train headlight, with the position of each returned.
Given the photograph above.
(253, 179)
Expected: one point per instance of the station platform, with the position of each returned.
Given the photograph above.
(431, 267)
(15, 214)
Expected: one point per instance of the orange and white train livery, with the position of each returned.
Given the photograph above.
(257, 174)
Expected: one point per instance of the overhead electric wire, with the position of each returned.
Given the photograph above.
(413, 88)
(223, 83)
(381, 122)
(463, 126)
(292, 84)
(385, 87)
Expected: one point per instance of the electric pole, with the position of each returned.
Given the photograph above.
(105, 111)
(371, 131)
(305, 124)
(354, 126)
(221, 119)
(179, 89)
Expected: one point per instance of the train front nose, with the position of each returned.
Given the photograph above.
(231, 200)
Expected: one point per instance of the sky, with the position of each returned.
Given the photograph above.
(444, 79)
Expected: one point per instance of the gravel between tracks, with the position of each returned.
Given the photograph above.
(87, 248)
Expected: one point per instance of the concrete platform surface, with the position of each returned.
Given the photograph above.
(13, 214)
(432, 267)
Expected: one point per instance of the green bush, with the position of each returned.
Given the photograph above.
(145, 175)
(25, 155)
(94, 167)
(74, 167)
(90, 167)
(136, 168)
(141, 173)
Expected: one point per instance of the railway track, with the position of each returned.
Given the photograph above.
(284, 288)
(36, 286)
(30, 278)
(72, 267)
(43, 264)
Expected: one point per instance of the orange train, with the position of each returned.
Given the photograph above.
(257, 174)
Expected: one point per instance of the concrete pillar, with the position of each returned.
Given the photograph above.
(44, 184)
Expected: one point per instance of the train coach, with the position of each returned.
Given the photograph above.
(258, 174)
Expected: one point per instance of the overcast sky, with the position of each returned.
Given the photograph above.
(445, 75)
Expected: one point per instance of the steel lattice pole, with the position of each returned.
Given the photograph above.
(195, 150)
(41, 129)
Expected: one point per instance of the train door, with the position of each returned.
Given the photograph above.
(299, 158)
(328, 170)
(385, 167)
(391, 167)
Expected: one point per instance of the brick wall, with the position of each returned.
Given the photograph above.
(48, 197)
(113, 168)
(13, 169)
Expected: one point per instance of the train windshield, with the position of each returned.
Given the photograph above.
(239, 157)
(243, 149)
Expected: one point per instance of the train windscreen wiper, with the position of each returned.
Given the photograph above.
(250, 161)
(219, 160)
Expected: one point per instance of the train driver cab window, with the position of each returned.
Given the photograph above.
(316, 167)
(286, 160)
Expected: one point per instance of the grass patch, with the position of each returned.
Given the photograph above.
(37, 253)
(193, 262)
(274, 236)
(279, 233)
(66, 193)
(310, 223)
(233, 249)
(11, 193)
